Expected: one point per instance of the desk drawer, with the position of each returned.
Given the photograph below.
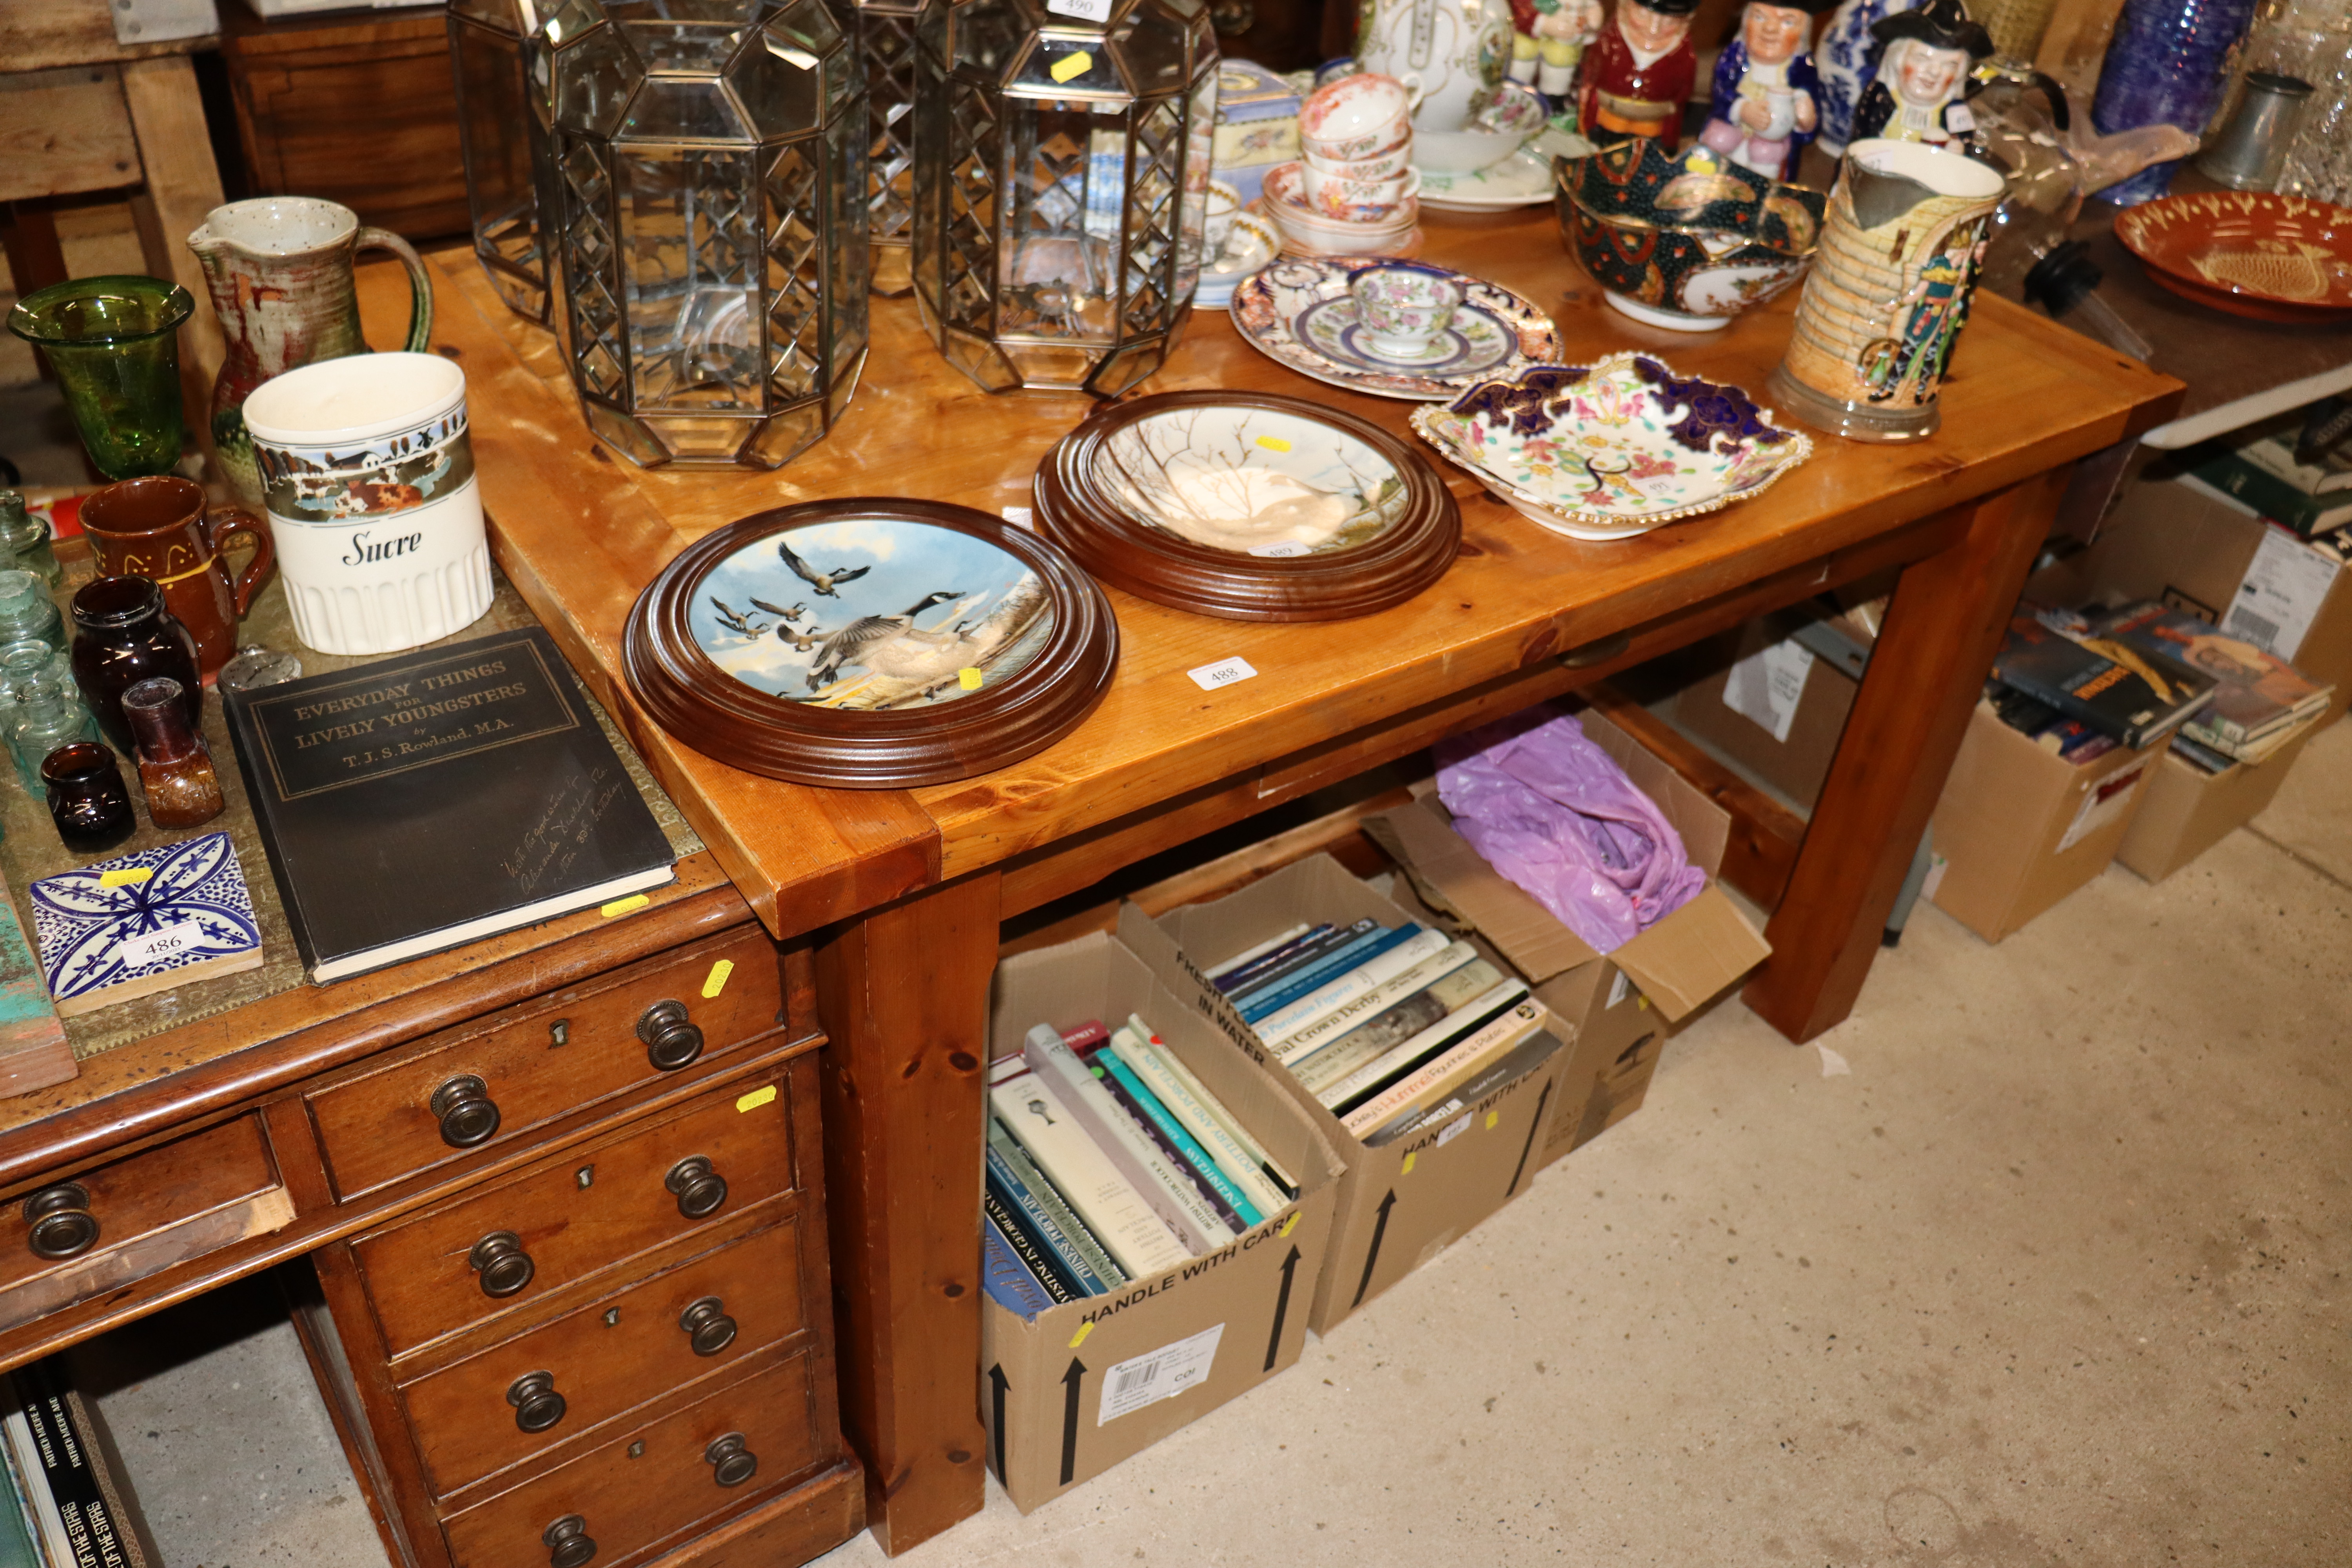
(650, 1484)
(606, 1358)
(567, 1218)
(495, 1081)
(139, 1216)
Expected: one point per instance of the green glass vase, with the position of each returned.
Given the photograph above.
(114, 344)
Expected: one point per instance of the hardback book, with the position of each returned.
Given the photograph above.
(1009, 1283)
(19, 1530)
(2137, 698)
(2201, 757)
(144, 922)
(1301, 955)
(1471, 1089)
(32, 1477)
(1216, 971)
(1378, 1036)
(1295, 1047)
(1035, 1255)
(2256, 694)
(1022, 1209)
(1171, 1194)
(1022, 1176)
(1338, 993)
(2309, 498)
(436, 798)
(1313, 939)
(1423, 1047)
(82, 1475)
(1235, 1152)
(1349, 955)
(1431, 1081)
(1138, 1239)
(1192, 1184)
(1222, 1189)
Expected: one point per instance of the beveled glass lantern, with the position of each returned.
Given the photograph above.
(886, 42)
(711, 164)
(1061, 178)
(500, 50)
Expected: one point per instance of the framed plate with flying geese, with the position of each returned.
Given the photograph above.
(1247, 506)
(870, 642)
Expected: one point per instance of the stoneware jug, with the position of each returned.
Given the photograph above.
(279, 269)
(1888, 292)
(1458, 49)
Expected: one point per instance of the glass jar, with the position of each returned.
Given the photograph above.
(26, 538)
(87, 800)
(28, 616)
(44, 714)
(123, 635)
(175, 766)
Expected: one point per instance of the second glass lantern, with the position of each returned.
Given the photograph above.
(712, 159)
(1060, 179)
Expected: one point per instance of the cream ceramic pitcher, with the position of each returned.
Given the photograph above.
(279, 269)
(1457, 50)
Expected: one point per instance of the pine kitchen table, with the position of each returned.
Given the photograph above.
(901, 893)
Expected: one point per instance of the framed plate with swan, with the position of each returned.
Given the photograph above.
(870, 642)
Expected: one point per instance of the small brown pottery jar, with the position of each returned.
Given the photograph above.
(123, 635)
(87, 800)
(175, 767)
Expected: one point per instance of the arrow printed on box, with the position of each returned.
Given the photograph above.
(996, 1413)
(1528, 1147)
(1071, 1382)
(1281, 1307)
(1372, 1256)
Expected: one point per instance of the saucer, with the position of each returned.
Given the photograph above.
(1252, 244)
(1276, 311)
(1521, 180)
(1476, 341)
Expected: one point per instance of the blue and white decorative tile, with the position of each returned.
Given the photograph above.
(144, 922)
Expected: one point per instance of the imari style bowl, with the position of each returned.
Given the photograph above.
(1684, 242)
(1611, 450)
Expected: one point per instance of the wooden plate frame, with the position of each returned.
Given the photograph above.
(1082, 515)
(689, 696)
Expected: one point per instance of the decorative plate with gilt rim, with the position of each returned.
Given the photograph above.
(1248, 506)
(2251, 253)
(870, 642)
(1503, 331)
(1614, 448)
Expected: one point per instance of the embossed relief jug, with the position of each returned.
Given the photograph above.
(1457, 50)
(279, 269)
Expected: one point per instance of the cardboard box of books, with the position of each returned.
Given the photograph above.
(1427, 1067)
(1618, 1007)
(1162, 1184)
(2019, 827)
(2190, 808)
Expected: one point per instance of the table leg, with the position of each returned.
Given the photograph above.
(903, 995)
(1941, 631)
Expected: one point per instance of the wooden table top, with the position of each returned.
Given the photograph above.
(580, 531)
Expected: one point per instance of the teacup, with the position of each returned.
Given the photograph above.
(1385, 165)
(1404, 308)
(1217, 222)
(1357, 201)
(1359, 116)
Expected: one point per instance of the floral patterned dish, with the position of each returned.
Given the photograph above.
(1521, 180)
(1285, 311)
(1614, 448)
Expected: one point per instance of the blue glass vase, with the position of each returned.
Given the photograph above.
(2165, 64)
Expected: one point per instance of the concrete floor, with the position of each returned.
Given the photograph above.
(2054, 1274)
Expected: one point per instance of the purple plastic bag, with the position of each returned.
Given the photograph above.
(1552, 811)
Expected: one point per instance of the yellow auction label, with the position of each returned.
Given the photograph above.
(716, 980)
(1274, 443)
(1287, 1224)
(1406, 1169)
(1080, 1337)
(969, 678)
(124, 875)
(1070, 65)
(622, 906)
(756, 1099)
(1493, 1117)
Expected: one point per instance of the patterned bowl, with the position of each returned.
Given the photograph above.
(1611, 450)
(1684, 242)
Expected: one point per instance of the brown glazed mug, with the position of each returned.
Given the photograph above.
(160, 529)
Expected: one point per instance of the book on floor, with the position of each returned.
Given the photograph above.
(436, 798)
(144, 922)
(86, 1514)
(2136, 697)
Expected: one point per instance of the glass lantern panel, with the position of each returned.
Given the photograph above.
(685, 35)
(889, 47)
(690, 257)
(1063, 183)
(1070, 64)
(808, 26)
(493, 118)
(502, 15)
(702, 438)
(1129, 366)
(593, 78)
(1157, 50)
(1199, 157)
(633, 440)
(975, 145)
(674, 109)
(780, 88)
(845, 215)
(560, 21)
(598, 334)
(989, 40)
(786, 437)
(1154, 214)
(840, 77)
(795, 272)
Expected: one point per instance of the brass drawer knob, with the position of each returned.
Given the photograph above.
(62, 1225)
(467, 1115)
(732, 1464)
(504, 1266)
(708, 1327)
(537, 1406)
(671, 1041)
(568, 1545)
(700, 1190)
